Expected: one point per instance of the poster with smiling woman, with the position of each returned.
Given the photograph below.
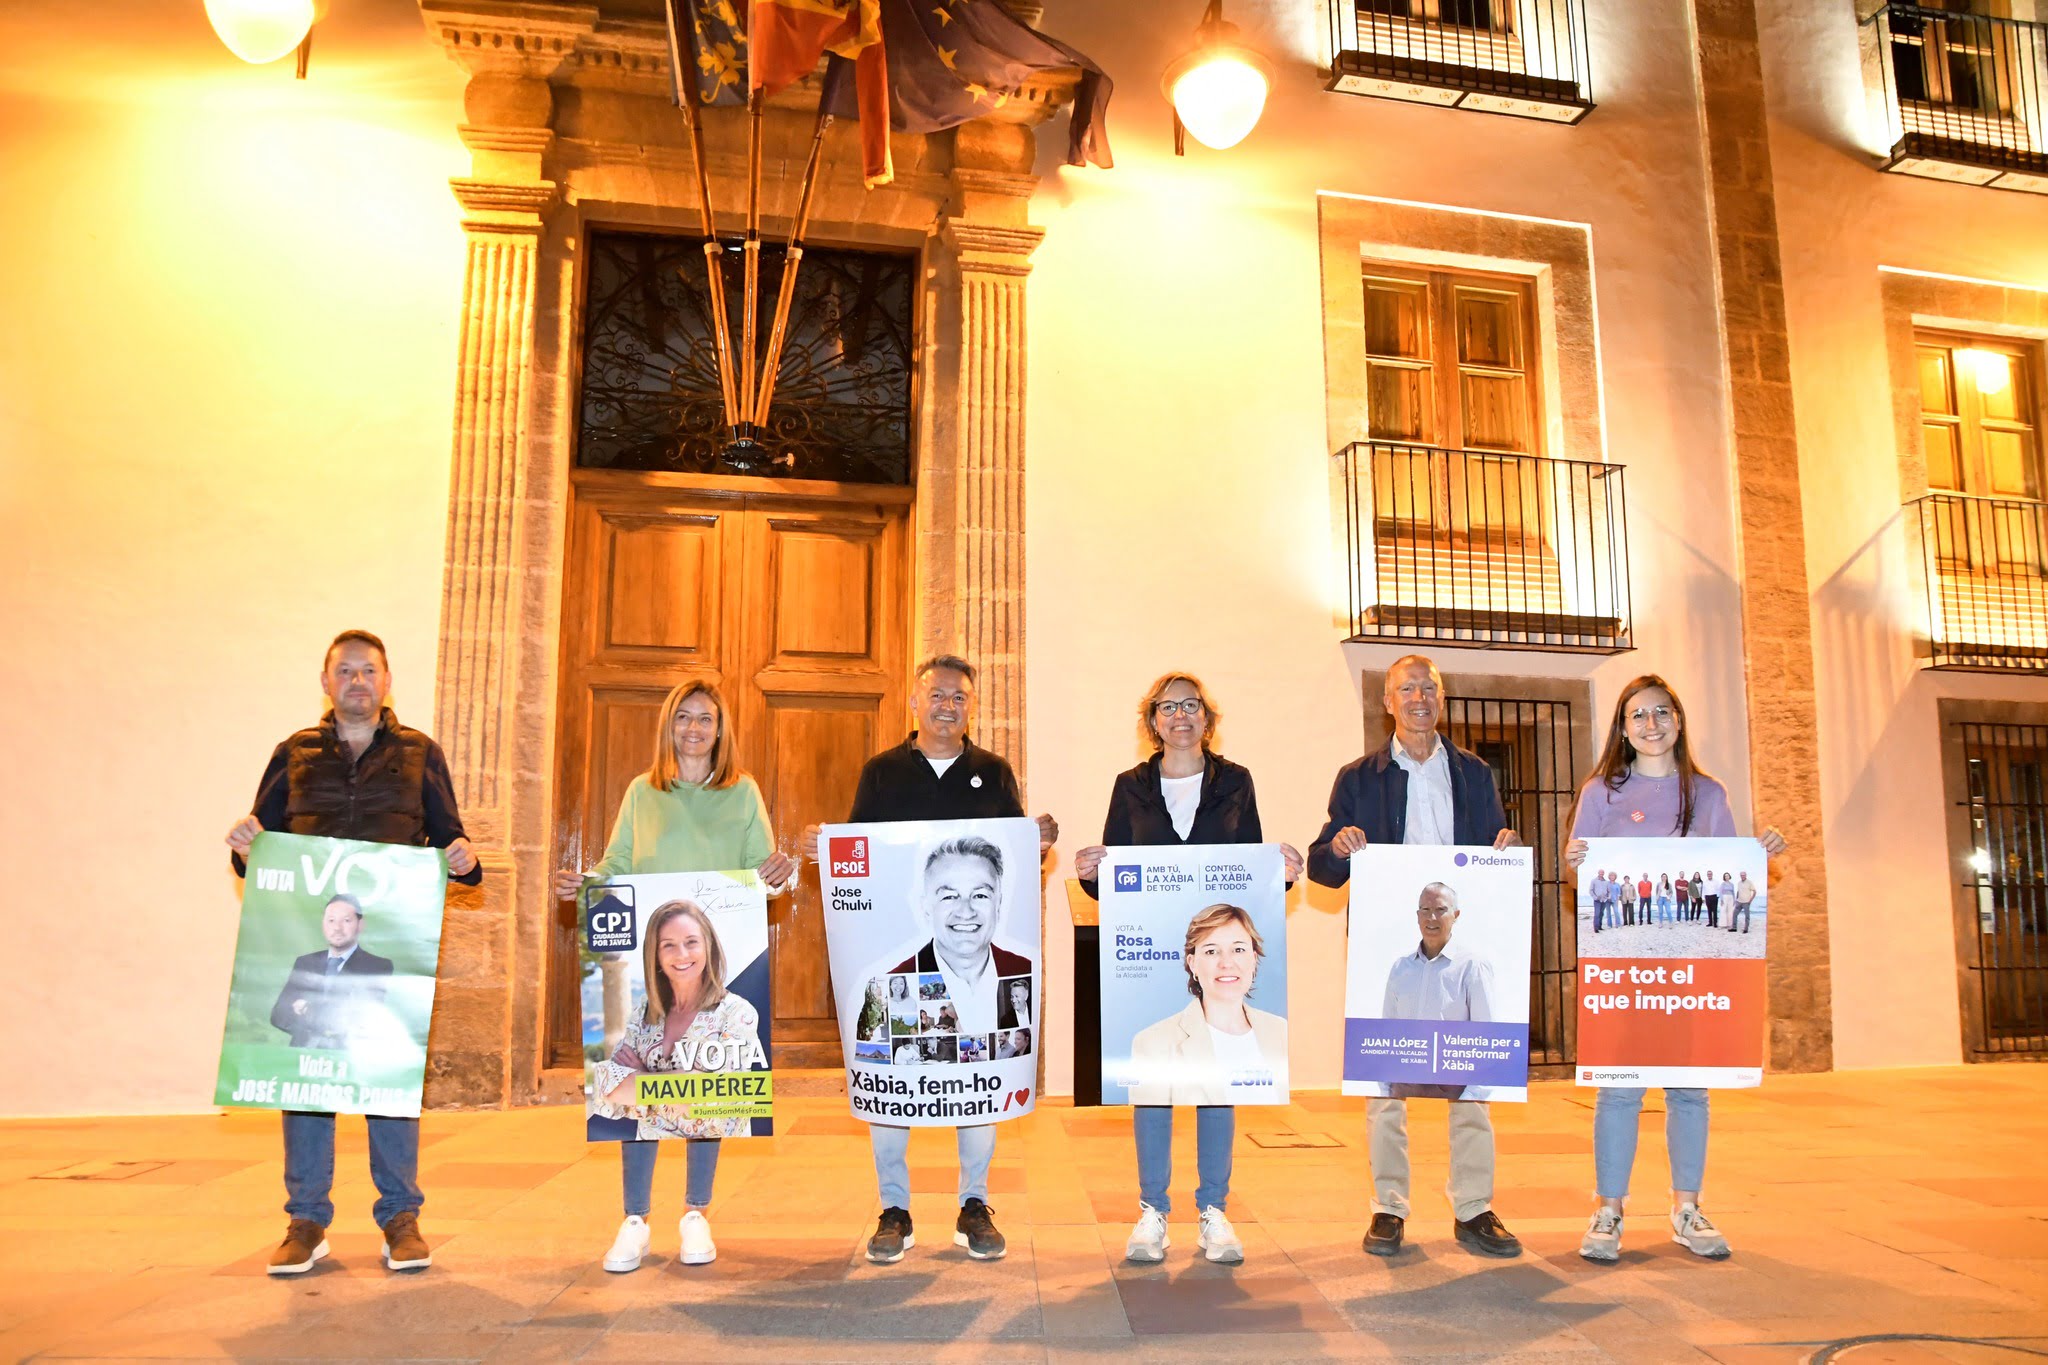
(1194, 975)
(932, 927)
(676, 1018)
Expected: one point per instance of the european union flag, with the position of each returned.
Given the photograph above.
(952, 61)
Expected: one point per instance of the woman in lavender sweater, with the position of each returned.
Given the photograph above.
(1646, 785)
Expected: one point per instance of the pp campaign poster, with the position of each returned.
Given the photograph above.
(654, 947)
(1436, 995)
(1671, 978)
(333, 986)
(933, 931)
(1194, 975)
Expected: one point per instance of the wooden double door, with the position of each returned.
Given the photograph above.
(791, 597)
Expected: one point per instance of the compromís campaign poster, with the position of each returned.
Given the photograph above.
(676, 1017)
(1671, 977)
(1194, 975)
(333, 985)
(1436, 998)
(933, 931)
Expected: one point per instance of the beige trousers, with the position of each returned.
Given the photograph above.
(1471, 1184)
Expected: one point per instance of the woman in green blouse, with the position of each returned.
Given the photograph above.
(693, 811)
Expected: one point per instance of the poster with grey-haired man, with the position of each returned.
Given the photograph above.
(933, 931)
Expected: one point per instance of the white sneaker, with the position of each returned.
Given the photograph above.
(697, 1245)
(629, 1246)
(1148, 1239)
(1603, 1236)
(1691, 1230)
(1217, 1239)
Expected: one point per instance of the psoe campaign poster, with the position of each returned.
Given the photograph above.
(1194, 975)
(333, 985)
(933, 931)
(1671, 975)
(676, 1021)
(1436, 995)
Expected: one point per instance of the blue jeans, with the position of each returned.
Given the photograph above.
(1664, 909)
(309, 1167)
(636, 1166)
(1215, 1131)
(1616, 1117)
(977, 1146)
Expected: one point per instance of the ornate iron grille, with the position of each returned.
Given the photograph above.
(650, 396)
(1532, 747)
(2005, 891)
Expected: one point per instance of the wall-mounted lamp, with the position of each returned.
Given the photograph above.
(1218, 89)
(260, 31)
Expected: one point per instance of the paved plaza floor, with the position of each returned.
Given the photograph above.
(1898, 1204)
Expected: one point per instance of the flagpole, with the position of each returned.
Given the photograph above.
(714, 265)
(749, 325)
(835, 68)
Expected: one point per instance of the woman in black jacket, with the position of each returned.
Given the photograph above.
(1183, 794)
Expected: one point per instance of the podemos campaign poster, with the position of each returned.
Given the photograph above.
(1194, 975)
(333, 985)
(653, 946)
(1436, 998)
(933, 929)
(1671, 977)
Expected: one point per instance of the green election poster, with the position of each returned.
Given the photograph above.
(333, 986)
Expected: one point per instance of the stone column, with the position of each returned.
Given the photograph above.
(978, 515)
(508, 109)
(1777, 614)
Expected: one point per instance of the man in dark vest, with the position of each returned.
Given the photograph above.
(937, 774)
(358, 774)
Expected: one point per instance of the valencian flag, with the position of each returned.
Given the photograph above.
(934, 64)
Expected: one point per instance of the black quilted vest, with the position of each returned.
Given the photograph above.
(378, 797)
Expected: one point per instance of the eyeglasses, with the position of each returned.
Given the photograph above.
(686, 721)
(1190, 706)
(1643, 715)
(1436, 912)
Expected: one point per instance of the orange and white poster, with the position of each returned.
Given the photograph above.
(1671, 975)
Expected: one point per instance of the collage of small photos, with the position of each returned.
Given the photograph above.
(909, 1019)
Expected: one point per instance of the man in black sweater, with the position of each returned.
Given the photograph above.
(359, 774)
(937, 774)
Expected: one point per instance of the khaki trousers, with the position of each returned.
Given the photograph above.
(1471, 1184)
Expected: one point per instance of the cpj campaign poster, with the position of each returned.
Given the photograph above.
(1436, 998)
(675, 1007)
(334, 977)
(1194, 975)
(1671, 962)
(932, 928)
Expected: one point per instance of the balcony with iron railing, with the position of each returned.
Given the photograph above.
(1985, 563)
(1524, 58)
(1963, 97)
(1488, 549)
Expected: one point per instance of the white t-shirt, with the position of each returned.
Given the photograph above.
(939, 765)
(1183, 796)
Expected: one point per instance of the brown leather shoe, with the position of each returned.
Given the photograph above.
(1384, 1237)
(305, 1242)
(404, 1248)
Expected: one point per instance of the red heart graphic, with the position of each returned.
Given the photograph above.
(1022, 1097)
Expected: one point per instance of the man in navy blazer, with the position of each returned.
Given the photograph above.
(327, 992)
(1420, 789)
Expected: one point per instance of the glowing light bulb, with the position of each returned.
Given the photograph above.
(260, 31)
(1220, 100)
(1218, 88)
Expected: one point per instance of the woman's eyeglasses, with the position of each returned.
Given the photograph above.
(1191, 706)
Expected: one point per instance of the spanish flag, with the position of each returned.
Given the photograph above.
(788, 38)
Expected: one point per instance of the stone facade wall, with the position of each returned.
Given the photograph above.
(1776, 606)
